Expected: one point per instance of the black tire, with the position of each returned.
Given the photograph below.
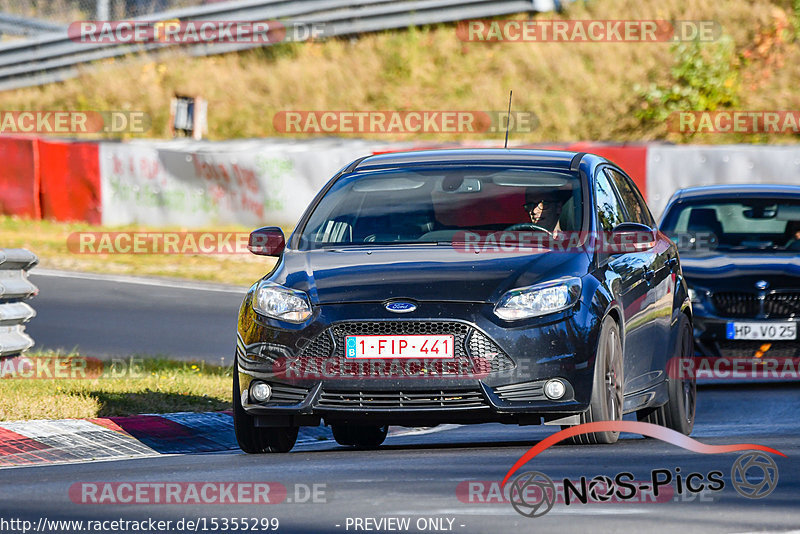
(360, 436)
(258, 440)
(678, 413)
(607, 387)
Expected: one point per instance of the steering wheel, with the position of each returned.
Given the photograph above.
(528, 226)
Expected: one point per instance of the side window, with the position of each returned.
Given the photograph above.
(635, 205)
(609, 209)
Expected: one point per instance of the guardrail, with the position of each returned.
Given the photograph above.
(14, 25)
(55, 57)
(14, 288)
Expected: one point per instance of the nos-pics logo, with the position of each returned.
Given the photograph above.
(754, 474)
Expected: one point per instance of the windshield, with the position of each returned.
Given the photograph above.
(758, 224)
(435, 205)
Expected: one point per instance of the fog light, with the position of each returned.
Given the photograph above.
(554, 389)
(260, 391)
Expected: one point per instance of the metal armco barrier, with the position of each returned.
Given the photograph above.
(54, 57)
(14, 288)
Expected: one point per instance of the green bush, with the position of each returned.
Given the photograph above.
(705, 77)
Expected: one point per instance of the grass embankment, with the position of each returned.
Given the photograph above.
(48, 240)
(579, 91)
(51, 385)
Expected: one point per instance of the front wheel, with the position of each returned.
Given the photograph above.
(253, 439)
(360, 436)
(607, 390)
(678, 413)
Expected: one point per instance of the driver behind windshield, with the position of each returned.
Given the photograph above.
(545, 213)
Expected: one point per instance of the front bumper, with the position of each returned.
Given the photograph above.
(498, 372)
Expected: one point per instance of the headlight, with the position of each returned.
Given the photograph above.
(697, 295)
(541, 299)
(282, 303)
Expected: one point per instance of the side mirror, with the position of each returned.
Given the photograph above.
(632, 237)
(267, 241)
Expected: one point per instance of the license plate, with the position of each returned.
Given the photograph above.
(772, 331)
(419, 347)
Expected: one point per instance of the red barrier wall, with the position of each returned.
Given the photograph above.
(19, 177)
(57, 179)
(70, 181)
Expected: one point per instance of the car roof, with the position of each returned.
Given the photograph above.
(735, 190)
(470, 156)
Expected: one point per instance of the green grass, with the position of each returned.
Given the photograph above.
(81, 387)
(579, 91)
(48, 240)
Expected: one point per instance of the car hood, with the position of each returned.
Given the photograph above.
(741, 271)
(420, 273)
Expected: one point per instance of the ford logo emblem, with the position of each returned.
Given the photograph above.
(400, 307)
(762, 284)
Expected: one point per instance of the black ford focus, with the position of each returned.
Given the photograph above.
(464, 286)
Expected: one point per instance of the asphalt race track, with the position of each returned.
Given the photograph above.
(423, 477)
(106, 317)
(418, 476)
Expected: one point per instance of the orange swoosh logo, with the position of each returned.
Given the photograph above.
(634, 427)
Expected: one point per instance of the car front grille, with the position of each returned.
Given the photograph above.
(409, 400)
(747, 349)
(475, 354)
(783, 304)
(735, 304)
(731, 304)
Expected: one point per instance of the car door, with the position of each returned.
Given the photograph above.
(656, 308)
(632, 270)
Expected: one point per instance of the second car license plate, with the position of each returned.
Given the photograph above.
(420, 347)
(773, 331)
